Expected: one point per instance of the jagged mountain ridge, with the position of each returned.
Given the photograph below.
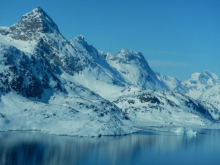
(45, 38)
(134, 69)
(94, 53)
(128, 68)
(39, 64)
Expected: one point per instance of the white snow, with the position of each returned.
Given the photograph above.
(64, 115)
(163, 108)
(171, 82)
(25, 46)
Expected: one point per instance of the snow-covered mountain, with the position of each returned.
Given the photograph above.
(37, 30)
(38, 91)
(102, 78)
(66, 87)
(127, 68)
(203, 86)
(166, 108)
(198, 83)
(134, 69)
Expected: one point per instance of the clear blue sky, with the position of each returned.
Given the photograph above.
(177, 37)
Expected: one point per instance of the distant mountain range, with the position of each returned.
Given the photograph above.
(69, 87)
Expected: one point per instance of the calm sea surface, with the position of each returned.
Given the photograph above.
(151, 147)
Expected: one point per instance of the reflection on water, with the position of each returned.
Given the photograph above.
(36, 148)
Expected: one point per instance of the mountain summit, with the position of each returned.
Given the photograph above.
(30, 25)
(206, 78)
(134, 68)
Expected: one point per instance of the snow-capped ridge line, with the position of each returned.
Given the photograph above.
(69, 87)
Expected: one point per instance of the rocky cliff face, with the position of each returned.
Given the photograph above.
(31, 25)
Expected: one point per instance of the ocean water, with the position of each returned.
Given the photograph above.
(154, 146)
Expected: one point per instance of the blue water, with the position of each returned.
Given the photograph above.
(151, 147)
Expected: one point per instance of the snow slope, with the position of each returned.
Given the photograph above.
(165, 108)
(64, 115)
(171, 82)
(212, 96)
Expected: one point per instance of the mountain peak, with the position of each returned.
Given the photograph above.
(39, 10)
(80, 38)
(126, 51)
(129, 55)
(31, 24)
(39, 18)
(206, 77)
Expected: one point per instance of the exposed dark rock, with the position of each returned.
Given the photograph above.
(30, 25)
(16, 84)
(145, 97)
(131, 101)
(197, 107)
